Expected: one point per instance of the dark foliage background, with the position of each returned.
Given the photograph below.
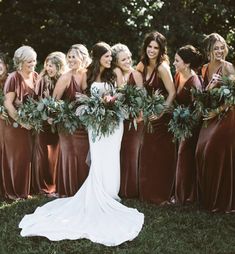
(50, 25)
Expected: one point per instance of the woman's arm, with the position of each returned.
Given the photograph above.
(84, 81)
(165, 75)
(138, 78)
(119, 76)
(61, 86)
(8, 103)
(140, 67)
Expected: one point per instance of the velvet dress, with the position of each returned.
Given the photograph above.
(17, 145)
(215, 162)
(158, 153)
(45, 152)
(130, 152)
(2, 125)
(186, 177)
(72, 169)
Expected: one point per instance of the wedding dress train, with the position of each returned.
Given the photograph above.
(94, 211)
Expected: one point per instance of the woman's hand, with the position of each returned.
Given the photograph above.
(26, 126)
(140, 117)
(216, 79)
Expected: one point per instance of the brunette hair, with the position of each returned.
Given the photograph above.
(190, 55)
(93, 70)
(161, 41)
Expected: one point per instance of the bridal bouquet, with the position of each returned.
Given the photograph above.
(101, 113)
(134, 99)
(3, 112)
(182, 123)
(153, 106)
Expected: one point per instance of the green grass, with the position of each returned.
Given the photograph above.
(167, 229)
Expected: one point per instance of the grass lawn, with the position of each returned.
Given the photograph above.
(167, 229)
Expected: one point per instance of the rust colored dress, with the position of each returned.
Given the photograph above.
(72, 169)
(45, 153)
(215, 162)
(2, 124)
(130, 151)
(186, 177)
(17, 146)
(158, 154)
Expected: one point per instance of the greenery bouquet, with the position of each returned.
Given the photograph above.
(134, 99)
(101, 113)
(217, 101)
(182, 123)
(153, 106)
(35, 113)
(65, 118)
(3, 112)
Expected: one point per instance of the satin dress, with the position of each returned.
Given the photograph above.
(158, 153)
(215, 162)
(130, 154)
(17, 145)
(72, 169)
(45, 153)
(186, 176)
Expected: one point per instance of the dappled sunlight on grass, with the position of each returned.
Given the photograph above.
(167, 229)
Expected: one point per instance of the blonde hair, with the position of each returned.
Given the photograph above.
(22, 54)
(118, 48)
(210, 41)
(59, 60)
(83, 54)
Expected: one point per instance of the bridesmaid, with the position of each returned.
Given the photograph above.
(3, 69)
(187, 60)
(72, 169)
(131, 140)
(16, 164)
(45, 151)
(215, 152)
(3, 77)
(157, 156)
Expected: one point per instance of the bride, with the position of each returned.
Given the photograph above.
(94, 211)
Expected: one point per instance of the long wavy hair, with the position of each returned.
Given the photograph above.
(209, 43)
(161, 41)
(93, 70)
(59, 60)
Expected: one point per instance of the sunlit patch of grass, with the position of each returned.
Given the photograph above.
(167, 229)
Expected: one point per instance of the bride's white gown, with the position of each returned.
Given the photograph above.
(94, 211)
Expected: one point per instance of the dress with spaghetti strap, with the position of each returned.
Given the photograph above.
(215, 162)
(2, 125)
(17, 145)
(72, 169)
(186, 177)
(130, 151)
(45, 151)
(158, 153)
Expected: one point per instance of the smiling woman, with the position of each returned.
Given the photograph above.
(17, 158)
(94, 212)
(157, 155)
(215, 153)
(45, 149)
(72, 169)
